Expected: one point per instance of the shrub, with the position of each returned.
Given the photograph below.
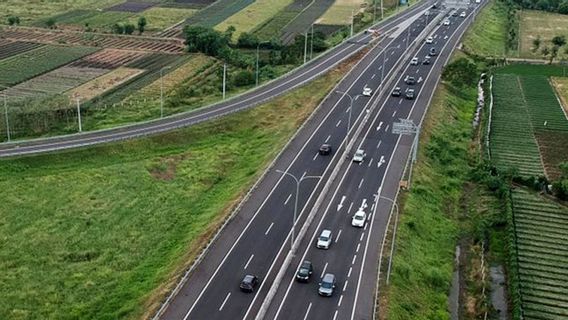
(243, 78)
(13, 20)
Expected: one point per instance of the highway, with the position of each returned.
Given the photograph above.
(355, 252)
(277, 87)
(257, 239)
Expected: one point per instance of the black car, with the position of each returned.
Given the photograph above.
(325, 149)
(435, 5)
(426, 60)
(305, 271)
(396, 92)
(410, 80)
(249, 283)
(410, 94)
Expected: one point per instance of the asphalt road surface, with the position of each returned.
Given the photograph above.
(258, 238)
(294, 79)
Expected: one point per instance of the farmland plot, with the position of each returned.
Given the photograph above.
(104, 83)
(304, 20)
(108, 59)
(543, 105)
(38, 61)
(541, 228)
(273, 27)
(12, 48)
(512, 138)
(218, 12)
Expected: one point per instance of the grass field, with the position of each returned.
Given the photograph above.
(561, 87)
(100, 233)
(541, 227)
(429, 222)
(31, 11)
(340, 12)
(218, 12)
(253, 15)
(488, 35)
(38, 61)
(543, 24)
(159, 18)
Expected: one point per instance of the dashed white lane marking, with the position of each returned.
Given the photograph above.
(350, 206)
(398, 47)
(340, 299)
(365, 227)
(303, 175)
(335, 314)
(288, 199)
(380, 67)
(379, 144)
(379, 126)
(400, 101)
(224, 301)
(394, 114)
(308, 311)
(354, 258)
(387, 128)
(328, 137)
(362, 235)
(315, 157)
(373, 76)
(358, 245)
(249, 260)
(361, 183)
(345, 285)
(338, 235)
(417, 70)
(338, 123)
(356, 97)
(371, 161)
(268, 230)
(349, 273)
(323, 271)
(387, 59)
(392, 52)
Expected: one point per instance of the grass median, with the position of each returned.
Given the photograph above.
(103, 232)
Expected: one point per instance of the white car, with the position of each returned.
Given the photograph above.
(477, 1)
(429, 40)
(324, 240)
(367, 92)
(463, 14)
(359, 218)
(414, 61)
(359, 155)
(446, 22)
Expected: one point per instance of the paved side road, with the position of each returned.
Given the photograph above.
(294, 79)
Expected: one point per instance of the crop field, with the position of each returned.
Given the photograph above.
(218, 12)
(340, 12)
(304, 20)
(542, 237)
(253, 15)
(38, 61)
(98, 21)
(512, 139)
(534, 70)
(543, 105)
(54, 82)
(12, 48)
(544, 24)
(172, 46)
(272, 28)
(561, 87)
(159, 18)
(104, 83)
(131, 6)
(108, 59)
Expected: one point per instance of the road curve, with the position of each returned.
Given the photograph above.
(294, 79)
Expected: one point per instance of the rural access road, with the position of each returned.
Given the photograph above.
(257, 239)
(268, 91)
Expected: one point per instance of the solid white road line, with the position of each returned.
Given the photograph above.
(340, 299)
(287, 199)
(308, 311)
(268, 230)
(249, 260)
(338, 235)
(345, 285)
(304, 174)
(323, 271)
(224, 301)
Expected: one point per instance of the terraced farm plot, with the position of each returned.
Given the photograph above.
(104, 83)
(512, 139)
(54, 82)
(542, 236)
(38, 61)
(12, 48)
(218, 12)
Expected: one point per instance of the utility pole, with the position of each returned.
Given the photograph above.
(374, 10)
(79, 115)
(224, 79)
(6, 116)
(352, 22)
(382, 11)
(162, 91)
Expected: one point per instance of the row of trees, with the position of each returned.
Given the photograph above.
(559, 6)
(128, 28)
(550, 52)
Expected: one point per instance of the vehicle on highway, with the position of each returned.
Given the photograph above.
(305, 271)
(435, 5)
(249, 283)
(324, 240)
(325, 149)
(462, 14)
(358, 219)
(359, 155)
(414, 61)
(426, 60)
(409, 94)
(477, 1)
(446, 22)
(367, 92)
(396, 92)
(433, 52)
(409, 80)
(429, 40)
(327, 285)
(455, 13)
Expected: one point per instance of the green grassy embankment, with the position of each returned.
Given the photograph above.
(488, 35)
(101, 233)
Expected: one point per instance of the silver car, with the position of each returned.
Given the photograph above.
(359, 155)
(324, 240)
(327, 285)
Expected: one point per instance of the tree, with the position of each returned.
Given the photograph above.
(50, 23)
(560, 187)
(117, 28)
(553, 53)
(129, 28)
(461, 72)
(247, 40)
(229, 33)
(536, 43)
(243, 78)
(559, 41)
(543, 5)
(13, 20)
(205, 40)
(545, 52)
(142, 24)
(563, 7)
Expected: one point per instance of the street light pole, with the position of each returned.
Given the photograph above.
(162, 91)
(394, 234)
(298, 182)
(257, 57)
(352, 22)
(79, 115)
(312, 43)
(305, 47)
(6, 115)
(224, 79)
